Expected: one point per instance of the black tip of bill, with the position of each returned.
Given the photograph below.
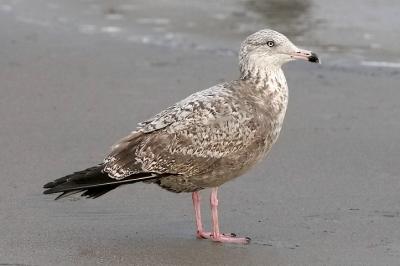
(313, 58)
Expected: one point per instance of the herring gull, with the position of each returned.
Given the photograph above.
(205, 140)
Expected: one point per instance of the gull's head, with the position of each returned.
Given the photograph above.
(269, 48)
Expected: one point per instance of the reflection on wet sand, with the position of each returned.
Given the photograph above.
(292, 17)
(150, 251)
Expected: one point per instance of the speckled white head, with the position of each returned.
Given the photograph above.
(269, 49)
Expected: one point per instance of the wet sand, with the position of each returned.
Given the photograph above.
(327, 195)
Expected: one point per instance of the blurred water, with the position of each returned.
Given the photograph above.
(343, 32)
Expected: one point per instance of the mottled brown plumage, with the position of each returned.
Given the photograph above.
(207, 139)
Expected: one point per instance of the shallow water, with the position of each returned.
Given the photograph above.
(342, 32)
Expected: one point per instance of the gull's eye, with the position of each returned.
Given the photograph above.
(270, 43)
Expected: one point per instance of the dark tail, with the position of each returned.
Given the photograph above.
(92, 182)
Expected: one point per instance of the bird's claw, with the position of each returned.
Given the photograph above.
(223, 238)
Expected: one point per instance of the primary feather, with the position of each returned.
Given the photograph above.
(92, 182)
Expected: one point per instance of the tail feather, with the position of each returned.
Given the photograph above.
(68, 193)
(96, 192)
(83, 175)
(93, 182)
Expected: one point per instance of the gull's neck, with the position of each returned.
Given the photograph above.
(260, 71)
(268, 83)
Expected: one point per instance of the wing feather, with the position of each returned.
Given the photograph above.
(186, 138)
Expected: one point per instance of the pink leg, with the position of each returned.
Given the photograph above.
(216, 235)
(197, 211)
